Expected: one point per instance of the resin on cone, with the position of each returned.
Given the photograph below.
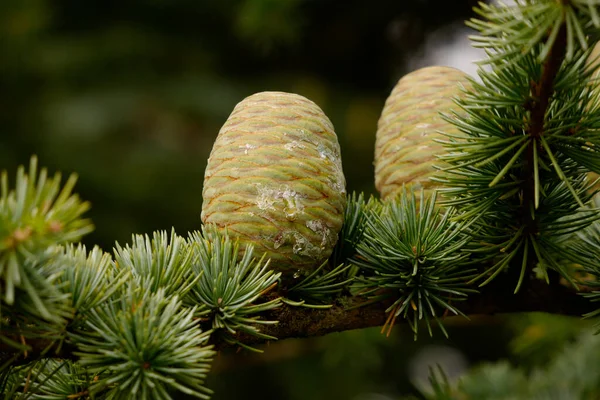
(274, 180)
(405, 150)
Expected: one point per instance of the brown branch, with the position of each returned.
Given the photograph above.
(299, 322)
(497, 298)
(543, 89)
(542, 93)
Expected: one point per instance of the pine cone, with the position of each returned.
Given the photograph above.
(274, 179)
(405, 148)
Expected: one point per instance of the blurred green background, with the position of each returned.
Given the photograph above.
(130, 95)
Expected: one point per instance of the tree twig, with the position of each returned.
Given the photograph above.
(347, 314)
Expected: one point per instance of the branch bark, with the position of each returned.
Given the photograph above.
(497, 298)
(541, 92)
(299, 322)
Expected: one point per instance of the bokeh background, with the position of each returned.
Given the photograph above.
(130, 95)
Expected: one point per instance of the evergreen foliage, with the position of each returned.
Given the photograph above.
(228, 289)
(35, 217)
(572, 374)
(413, 251)
(161, 263)
(319, 286)
(143, 345)
(142, 322)
(587, 249)
(529, 137)
(357, 210)
(46, 379)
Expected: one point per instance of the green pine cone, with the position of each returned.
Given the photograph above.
(405, 149)
(274, 179)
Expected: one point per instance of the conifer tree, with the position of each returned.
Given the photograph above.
(510, 226)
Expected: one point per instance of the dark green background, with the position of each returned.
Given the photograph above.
(131, 94)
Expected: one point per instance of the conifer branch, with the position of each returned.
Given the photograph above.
(347, 314)
(544, 88)
(146, 321)
(542, 92)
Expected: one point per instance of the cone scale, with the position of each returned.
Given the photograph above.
(274, 180)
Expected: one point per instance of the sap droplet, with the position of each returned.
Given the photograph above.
(247, 147)
(297, 248)
(321, 228)
(267, 196)
(293, 145)
(304, 247)
(290, 214)
(279, 240)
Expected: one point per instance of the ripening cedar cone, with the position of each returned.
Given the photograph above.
(274, 179)
(405, 150)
